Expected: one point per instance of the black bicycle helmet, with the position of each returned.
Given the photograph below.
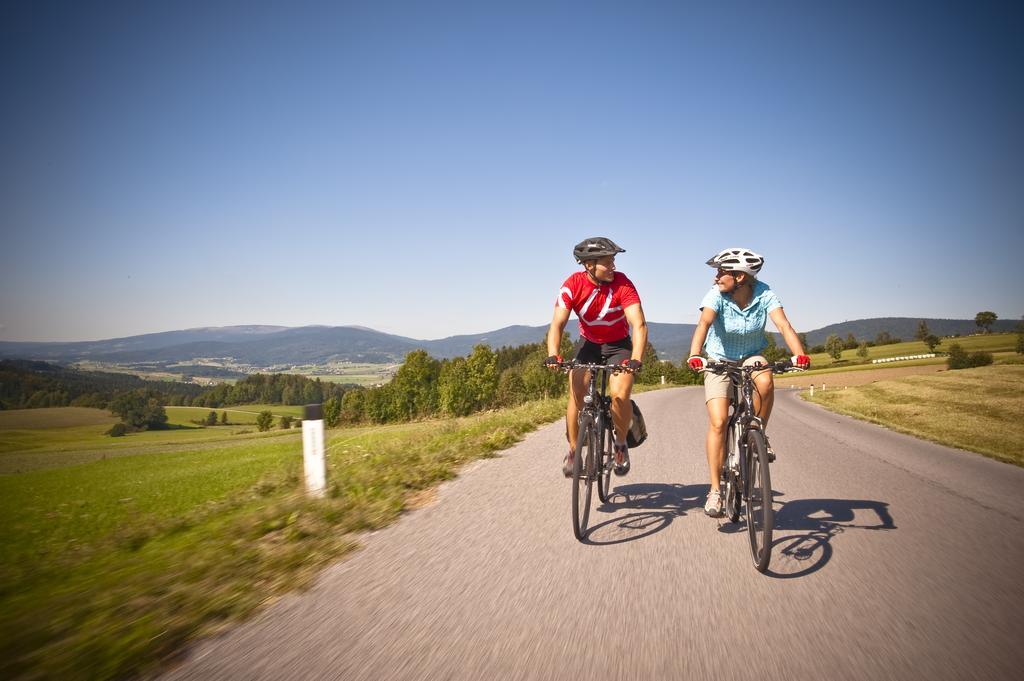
(594, 248)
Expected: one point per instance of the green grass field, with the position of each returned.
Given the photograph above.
(363, 374)
(1000, 344)
(243, 414)
(974, 409)
(109, 565)
(32, 439)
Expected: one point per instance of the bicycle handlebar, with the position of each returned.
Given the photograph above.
(782, 366)
(570, 365)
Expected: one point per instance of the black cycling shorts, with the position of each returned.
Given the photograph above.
(589, 352)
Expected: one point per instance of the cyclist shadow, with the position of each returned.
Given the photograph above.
(653, 507)
(811, 524)
(726, 527)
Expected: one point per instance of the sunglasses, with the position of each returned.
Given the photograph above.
(722, 273)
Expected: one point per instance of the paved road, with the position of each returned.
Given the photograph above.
(894, 559)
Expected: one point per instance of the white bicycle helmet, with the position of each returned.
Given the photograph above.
(737, 260)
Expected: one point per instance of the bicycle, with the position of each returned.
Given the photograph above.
(594, 456)
(745, 473)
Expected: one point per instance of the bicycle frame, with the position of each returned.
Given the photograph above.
(596, 401)
(593, 449)
(745, 469)
(741, 419)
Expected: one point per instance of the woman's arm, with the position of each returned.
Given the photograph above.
(700, 334)
(786, 329)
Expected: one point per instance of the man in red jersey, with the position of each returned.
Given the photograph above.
(607, 305)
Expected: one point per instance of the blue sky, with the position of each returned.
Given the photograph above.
(425, 168)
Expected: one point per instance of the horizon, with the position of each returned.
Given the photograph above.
(426, 170)
(571, 328)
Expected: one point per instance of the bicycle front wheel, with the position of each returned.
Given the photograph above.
(583, 465)
(605, 462)
(732, 496)
(760, 516)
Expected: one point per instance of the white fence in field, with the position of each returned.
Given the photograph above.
(898, 359)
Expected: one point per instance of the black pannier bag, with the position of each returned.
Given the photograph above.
(637, 429)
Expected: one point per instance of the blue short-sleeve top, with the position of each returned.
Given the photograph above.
(737, 334)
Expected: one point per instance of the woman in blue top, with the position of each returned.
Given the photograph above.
(731, 327)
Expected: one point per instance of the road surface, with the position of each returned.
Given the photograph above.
(894, 559)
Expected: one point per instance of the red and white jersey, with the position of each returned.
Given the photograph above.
(600, 308)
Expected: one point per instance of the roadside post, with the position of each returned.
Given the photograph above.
(313, 450)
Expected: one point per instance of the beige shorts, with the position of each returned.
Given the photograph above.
(718, 385)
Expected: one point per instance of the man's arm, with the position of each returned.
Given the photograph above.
(555, 330)
(638, 323)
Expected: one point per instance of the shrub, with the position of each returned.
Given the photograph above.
(117, 430)
(264, 420)
(959, 359)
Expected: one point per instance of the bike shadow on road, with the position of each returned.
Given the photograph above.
(810, 525)
(652, 506)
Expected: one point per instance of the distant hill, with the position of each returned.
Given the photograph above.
(276, 346)
(903, 327)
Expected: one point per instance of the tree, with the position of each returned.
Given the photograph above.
(922, 331)
(414, 387)
(139, 410)
(773, 353)
(885, 338)
(985, 320)
(264, 421)
(651, 372)
(286, 422)
(511, 389)
(332, 411)
(211, 419)
(1020, 338)
(850, 343)
(223, 418)
(862, 350)
(483, 377)
(455, 399)
(352, 406)
(834, 346)
(540, 382)
(932, 341)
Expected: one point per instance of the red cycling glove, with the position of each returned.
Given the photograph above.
(801, 361)
(696, 363)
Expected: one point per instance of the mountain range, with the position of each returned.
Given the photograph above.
(278, 346)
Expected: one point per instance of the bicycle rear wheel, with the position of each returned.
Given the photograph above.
(605, 462)
(582, 475)
(760, 516)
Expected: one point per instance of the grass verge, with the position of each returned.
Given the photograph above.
(109, 567)
(974, 409)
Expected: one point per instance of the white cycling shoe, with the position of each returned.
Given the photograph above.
(713, 507)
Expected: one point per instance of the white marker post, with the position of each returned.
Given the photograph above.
(313, 450)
